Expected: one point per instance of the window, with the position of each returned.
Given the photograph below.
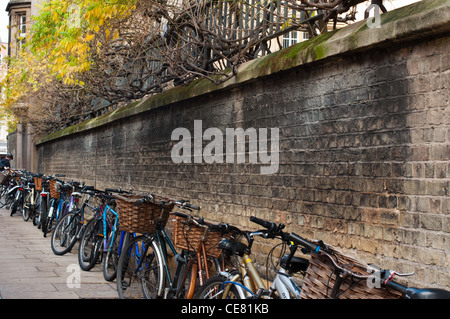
(22, 24)
(305, 36)
(290, 38)
(22, 30)
(294, 37)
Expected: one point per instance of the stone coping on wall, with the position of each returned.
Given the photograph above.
(416, 21)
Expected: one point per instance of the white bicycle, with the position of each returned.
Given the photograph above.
(244, 281)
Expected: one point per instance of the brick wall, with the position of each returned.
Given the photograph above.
(364, 155)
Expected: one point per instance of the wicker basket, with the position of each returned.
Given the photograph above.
(321, 277)
(53, 192)
(5, 177)
(38, 183)
(188, 236)
(142, 218)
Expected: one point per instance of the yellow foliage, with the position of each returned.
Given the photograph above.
(57, 49)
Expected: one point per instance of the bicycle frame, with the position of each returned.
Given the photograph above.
(162, 239)
(195, 266)
(106, 246)
(82, 217)
(252, 282)
(284, 285)
(55, 204)
(32, 198)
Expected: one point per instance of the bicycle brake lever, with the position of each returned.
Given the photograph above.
(405, 274)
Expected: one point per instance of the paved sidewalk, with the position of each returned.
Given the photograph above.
(30, 270)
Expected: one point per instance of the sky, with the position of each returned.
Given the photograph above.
(3, 21)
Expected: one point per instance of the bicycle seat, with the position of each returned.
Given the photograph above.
(297, 264)
(231, 247)
(426, 293)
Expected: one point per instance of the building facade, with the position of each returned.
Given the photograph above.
(20, 142)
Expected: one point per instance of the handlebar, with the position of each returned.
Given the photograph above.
(271, 227)
(117, 190)
(298, 240)
(186, 205)
(191, 219)
(274, 230)
(224, 228)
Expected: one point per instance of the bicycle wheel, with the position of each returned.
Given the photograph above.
(112, 255)
(26, 208)
(64, 236)
(48, 220)
(3, 196)
(42, 212)
(214, 288)
(140, 272)
(90, 245)
(16, 204)
(35, 209)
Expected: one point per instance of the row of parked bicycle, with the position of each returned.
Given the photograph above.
(127, 234)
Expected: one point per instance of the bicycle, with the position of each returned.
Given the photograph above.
(8, 189)
(140, 270)
(143, 270)
(59, 204)
(5, 184)
(17, 191)
(31, 195)
(99, 234)
(43, 201)
(199, 242)
(246, 282)
(345, 277)
(117, 239)
(69, 228)
(350, 278)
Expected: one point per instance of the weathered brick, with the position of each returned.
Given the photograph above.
(364, 155)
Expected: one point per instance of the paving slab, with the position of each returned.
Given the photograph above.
(30, 270)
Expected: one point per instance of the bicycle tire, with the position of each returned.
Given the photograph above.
(213, 288)
(45, 217)
(112, 256)
(48, 224)
(65, 233)
(35, 218)
(140, 272)
(26, 211)
(42, 211)
(90, 245)
(3, 196)
(57, 214)
(14, 206)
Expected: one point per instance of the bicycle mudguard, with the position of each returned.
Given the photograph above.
(426, 293)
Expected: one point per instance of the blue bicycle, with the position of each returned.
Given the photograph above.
(70, 227)
(101, 236)
(59, 205)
